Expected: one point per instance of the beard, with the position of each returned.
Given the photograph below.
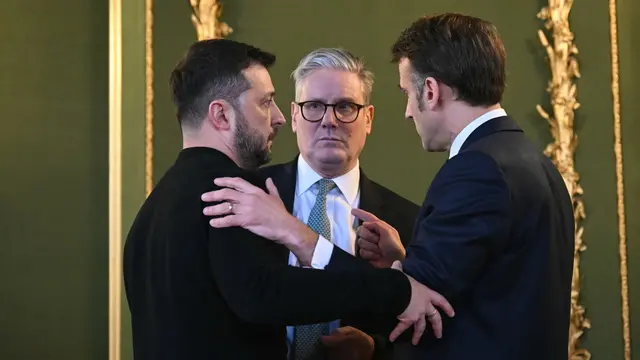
(250, 145)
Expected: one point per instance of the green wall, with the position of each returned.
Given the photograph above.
(54, 180)
(54, 158)
(369, 27)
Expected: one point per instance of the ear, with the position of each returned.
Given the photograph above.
(294, 111)
(369, 112)
(432, 93)
(220, 115)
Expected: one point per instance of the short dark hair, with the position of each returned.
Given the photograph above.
(463, 52)
(210, 70)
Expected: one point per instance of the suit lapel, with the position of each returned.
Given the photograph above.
(370, 200)
(284, 177)
(285, 181)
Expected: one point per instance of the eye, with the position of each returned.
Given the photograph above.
(346, 108)
(313, 105)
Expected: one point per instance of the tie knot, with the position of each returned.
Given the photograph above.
(324, 186)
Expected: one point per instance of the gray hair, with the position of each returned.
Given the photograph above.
(334, 59)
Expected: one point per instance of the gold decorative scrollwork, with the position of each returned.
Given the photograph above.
(562, 90)
(617, 150)
(148, 48)
(205, 18)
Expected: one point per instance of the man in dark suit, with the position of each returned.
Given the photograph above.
(356, 333)
(197, 292)
(495, 234)
(330, 140)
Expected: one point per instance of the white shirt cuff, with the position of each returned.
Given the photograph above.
(322, 253)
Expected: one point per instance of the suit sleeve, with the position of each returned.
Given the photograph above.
(467, 219)
(260, 288)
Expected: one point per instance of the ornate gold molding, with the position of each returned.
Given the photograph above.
(617, 149)
(562, 90)
(205, 18)
(148, 46)
(115, 176)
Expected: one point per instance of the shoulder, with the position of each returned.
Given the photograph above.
(274, 170)
(470, 174)
(255, 178)
(471, 164)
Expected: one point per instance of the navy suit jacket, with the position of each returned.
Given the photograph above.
(495, 236)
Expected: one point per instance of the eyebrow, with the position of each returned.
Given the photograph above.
(338, 100)
(269, 95)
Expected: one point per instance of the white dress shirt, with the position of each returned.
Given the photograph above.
(340, 200)
(467, 130)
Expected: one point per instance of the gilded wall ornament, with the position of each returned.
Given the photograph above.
(206, 19)
(561, 54)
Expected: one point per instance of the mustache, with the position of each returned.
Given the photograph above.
(274, 133)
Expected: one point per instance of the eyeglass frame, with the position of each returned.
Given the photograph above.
(302, 103)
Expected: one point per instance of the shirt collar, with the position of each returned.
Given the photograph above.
(459, 140)
(347, 183)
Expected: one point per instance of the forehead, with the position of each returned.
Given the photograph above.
(259, 79)
(404, 68)
(330, 85)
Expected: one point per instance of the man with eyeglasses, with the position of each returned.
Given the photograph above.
(332, 117)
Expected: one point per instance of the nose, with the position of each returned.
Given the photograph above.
(277, 118)
(407, 112)
(329, 118)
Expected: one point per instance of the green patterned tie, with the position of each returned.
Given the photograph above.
(306, 344)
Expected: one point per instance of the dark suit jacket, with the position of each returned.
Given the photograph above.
(495, 236)
(196, 292)
(374, 198)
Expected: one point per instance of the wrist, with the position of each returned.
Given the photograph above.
(393, 257)
(300, 240)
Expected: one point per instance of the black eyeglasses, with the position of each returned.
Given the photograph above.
(345, 111)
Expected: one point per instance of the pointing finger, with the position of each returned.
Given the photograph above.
(363, 215)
